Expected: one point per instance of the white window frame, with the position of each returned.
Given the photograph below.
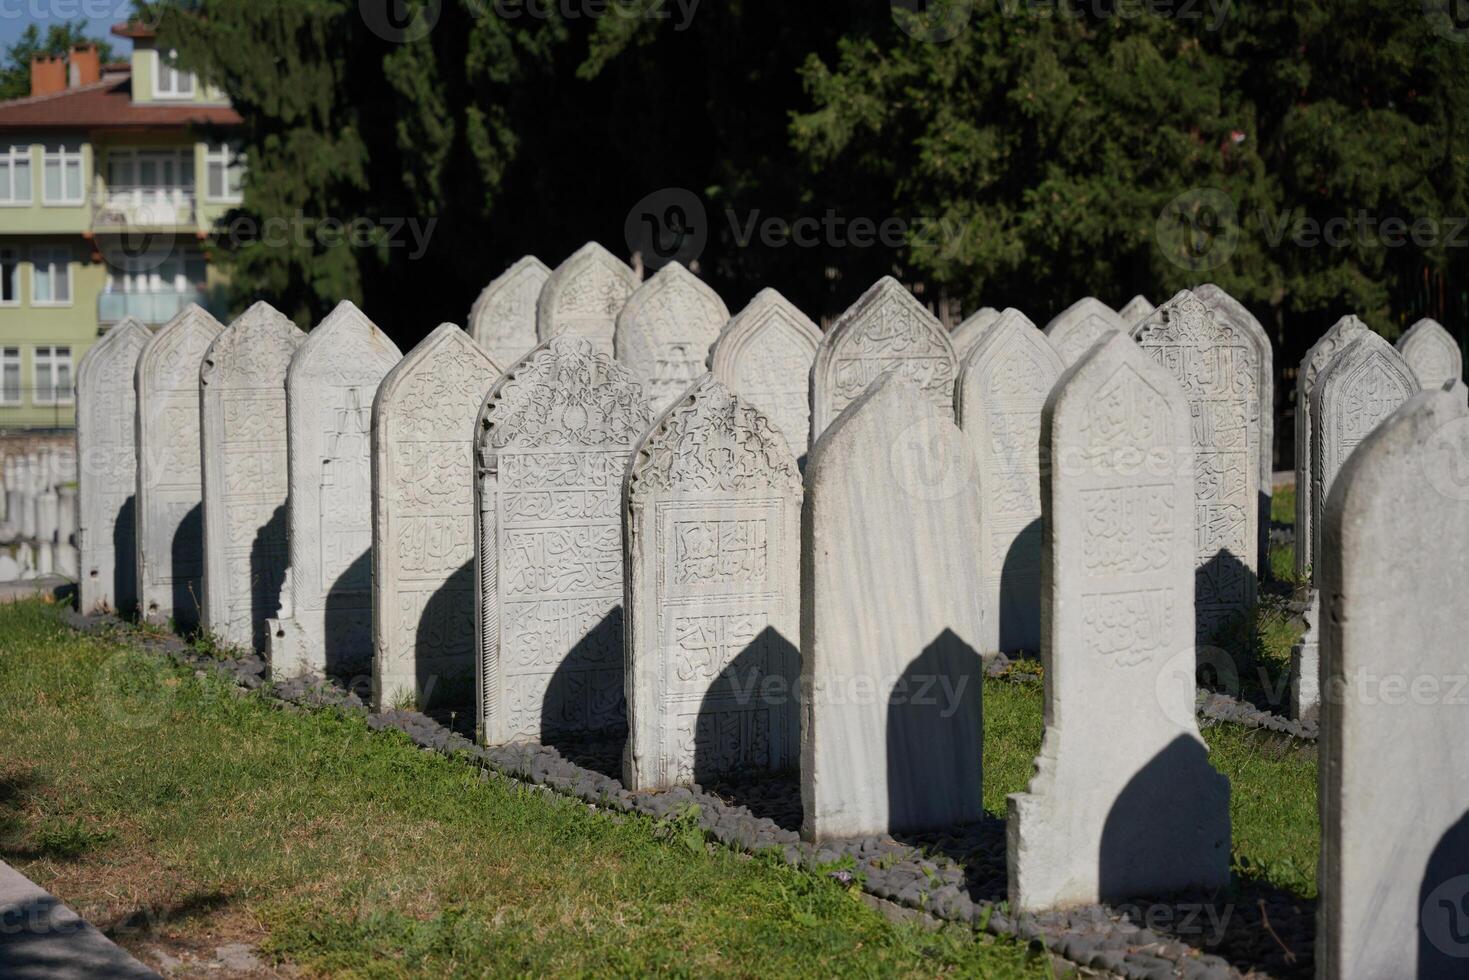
(12, 156)
(9, 356)
(13, 255)
(53, 360)
(165, 62)
(222, 156)
(64, 157)
(51, 254)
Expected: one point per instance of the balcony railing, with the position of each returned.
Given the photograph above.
(151, 308)
(122, 207)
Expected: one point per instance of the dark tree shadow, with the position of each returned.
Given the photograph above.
(348, 619)
(1443, 907)
(268, 559)
(748, 731)
(935, 738)
(443, 657)
(187, 555)
(1223, 581)
(1020, 594)
(124, 558)
(583, 712)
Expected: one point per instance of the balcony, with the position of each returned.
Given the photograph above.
(124, 207)
(151, 308)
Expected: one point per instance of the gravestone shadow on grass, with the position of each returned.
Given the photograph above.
(124, 567)
(267, 571)
(1223, 569)
(187, 555)
(568, 698)
(1020, 594)
(348, 625)
(447, 619)
(1443, 907)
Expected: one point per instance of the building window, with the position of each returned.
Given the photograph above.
(52, 367)
(15, 174)
(10, 376)
(63, 176)
(51, 277)
(168, 81)
(9, 277)
(226, 168)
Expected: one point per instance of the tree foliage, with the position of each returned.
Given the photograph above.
(15, 74)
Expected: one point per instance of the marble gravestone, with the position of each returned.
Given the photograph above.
(551, 448)
(1228, 309)
(1342, 333)
(503, 319)
(1123, 803)
(242, 399)
(764, 355)
(1215, 364)
(1394, 868)
(325, 623)
(1002, 386)
(107, 412)
(968, 333)
(664, 333)
(169, 507)
(423, 522)
(1432, 353)
(1075, 329)
(584, 295)
(892, 620)
(712, 538)
(886, 329)
(1135, 309)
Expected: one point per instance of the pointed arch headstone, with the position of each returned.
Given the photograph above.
(1432, 353)
(584, 295)
(972, 330)
(665, 330)
(1077, 328)
(503, 318)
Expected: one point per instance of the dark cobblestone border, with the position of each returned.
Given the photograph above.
(1253, 930)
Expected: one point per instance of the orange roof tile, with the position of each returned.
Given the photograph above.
(107, 104)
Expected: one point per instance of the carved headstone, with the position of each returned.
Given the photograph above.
(325, 624)
(503, 320)
(1342, 333)
(423, 522)
(242, 392)
(892, 620)
(1228, 309)
(1124, 802)
(1135, 309)
(1216, 365)
(969, 333)
(552, 446)
(712, 511)
(1393, 729)
(764, 355)
(1002, 386)
(1077, 328)
(107, 412)
(584, 296)
(1432, 353)
(886, 329)
(665, 331)
(170, 517)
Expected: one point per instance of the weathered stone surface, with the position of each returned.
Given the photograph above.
(107, 412)
(1135, 309)
(664, 333)
(1124, 802)
(892, 620)
(584, 296)
(423, 521)
(1216, 365)
(170, 518)
(764, 355)
(242, 397)
(1342, 333)
(325, 624)
(969, 333)
(1075, 329)
(1003, 384)
(1395, 835)
(712, 534)
(503, 320)
(1432, 353)
(552, 446)
(885, 329)
(1227, 308)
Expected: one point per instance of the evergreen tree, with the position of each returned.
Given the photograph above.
(15, 75)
